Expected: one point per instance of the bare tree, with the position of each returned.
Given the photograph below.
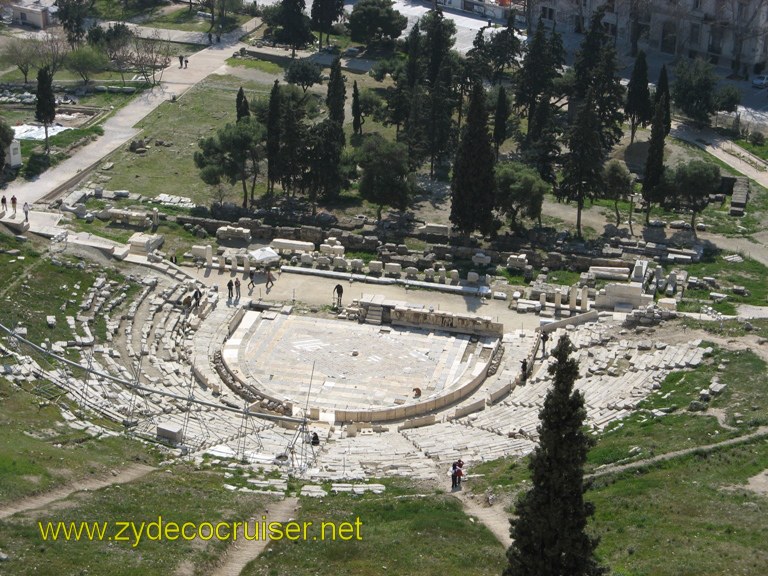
(150, 55)
(747, 22)
(52, 50)
(22, 53)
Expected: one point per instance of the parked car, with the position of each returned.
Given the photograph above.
(760, 81)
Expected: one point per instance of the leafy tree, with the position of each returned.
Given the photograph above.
(72, 15)
(618, 184)
(116, 37)
(608, 98)
(694, 182)
(519, 191)
(654, 163)
(295, 29)
(583, 168)
(20, 52)
(589, 55)
(150, 55)
(385, 174)
(241, 105)
(293, 141)
(323, 176)
(439, 117)
(414, 134)
(303, 73)
(472, 187)
(397, 105)
(357, 113)
(479, 57)
(85, 61)
(323, 14)
(540, 67)
(440, 36)
(274, 136)
(370, 104)
(542, 143)
(638, 106)
(45, 108)
(727, 99)
(662, 91)
(6, 138)
(414, 65)
(549, 529)
(695, 91)
(375, 20)
(500, 133)
(336, 95)
(504, 48)
(233, 155)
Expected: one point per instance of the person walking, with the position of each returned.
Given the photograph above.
(197, 295)
(181, 60)
(338, 291)
(251, 277)
(186, 62)
(26, 211)
(270, 279)
(4, 204)
(13, 203)
(524, 368)
(237, 288)
(230, 285)
(544, 338)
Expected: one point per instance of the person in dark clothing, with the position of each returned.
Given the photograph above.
(544, 338)
(315, 439)
(524, 367)
(338, 291)
(230, 285)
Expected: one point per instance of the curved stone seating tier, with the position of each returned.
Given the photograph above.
(362, 373)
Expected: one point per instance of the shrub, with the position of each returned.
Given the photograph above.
(757, 139)
(38, 163)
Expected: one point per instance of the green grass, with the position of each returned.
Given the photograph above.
(171, 170)
(38, 451)
(759, 151)
(267, 66)
(729, 328)
(424, 534)
(685, 517)
(179, 494)
(183, 19)
(749, 273)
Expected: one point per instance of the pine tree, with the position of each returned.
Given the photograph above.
(295, 24)
(274, 122)
(323, 14)
(357, 115)
(608, 98)
(336, 93)
(638, 107)
(241, 105)
(662, 91)
(654, 164)
(440, 132)
(589, 54)
(583, 168)
(549, 531)
(500, 120)
(472, 188)
(45, 108)
(542, 145)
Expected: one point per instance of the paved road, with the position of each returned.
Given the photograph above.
(119, 129)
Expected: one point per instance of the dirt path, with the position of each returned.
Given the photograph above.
(615, 469)
(243, 551)
(32, 503)
(494, 517)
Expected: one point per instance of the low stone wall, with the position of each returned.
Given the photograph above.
(418, 408)
(590, 316)
(446, 321)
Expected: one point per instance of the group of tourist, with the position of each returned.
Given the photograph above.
(4, 205)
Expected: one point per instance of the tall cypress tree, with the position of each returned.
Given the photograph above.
(274, 123)
(500, 120)
(638, 107)
(654, 164)
(45, 108)
(440, 133)
(472, 188)
(549, 531)
(662, 91)
(608, 98)
(583, 168)
(357, 113)
(241, 105)
(336, 93)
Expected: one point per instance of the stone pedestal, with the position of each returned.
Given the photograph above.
(558, 300)
(246, 266)
(585, 299)
(234, 263)
(572, 298)
(222, 262)
(208, 256)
